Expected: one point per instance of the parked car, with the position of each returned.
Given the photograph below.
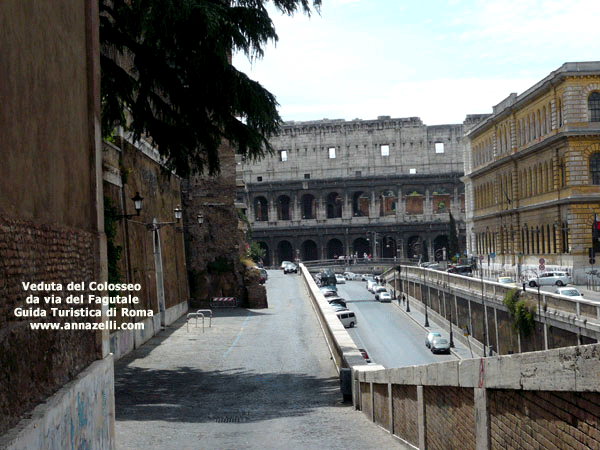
(430, 337)
(290, 267)
(440, 345)
(371, 285)
(550, 278)
(569, 292)
(263, 276)
(348, 318)
(384, 297)
(351, 276)
(378, 290)
(365, 355)
(337, 301)
(339, 279)
(338, 308)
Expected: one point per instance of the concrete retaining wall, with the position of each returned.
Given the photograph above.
(124, 341)
(80, 415)
(543, 399)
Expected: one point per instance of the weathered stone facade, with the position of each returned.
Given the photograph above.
(51, 216)
(153, 249)
(382, 187)
(531, 179)
(214, 248)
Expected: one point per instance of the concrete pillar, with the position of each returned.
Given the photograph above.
(482, 420)
(421, 419)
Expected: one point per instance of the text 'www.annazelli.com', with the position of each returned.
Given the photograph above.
(110, 325)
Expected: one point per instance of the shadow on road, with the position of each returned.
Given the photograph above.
(189, 395)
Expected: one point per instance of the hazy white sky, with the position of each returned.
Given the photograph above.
(434, 59)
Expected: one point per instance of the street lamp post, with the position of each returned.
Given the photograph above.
(425, 301)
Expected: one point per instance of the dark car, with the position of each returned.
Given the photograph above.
(461, 270)
(336, 301)
(263, 276)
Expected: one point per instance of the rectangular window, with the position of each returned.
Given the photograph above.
(258, 178)
(307, 176)
(283, 155)
(385, 150)
(358, 173)
(331, 152)
(412, 171)
(439, 147)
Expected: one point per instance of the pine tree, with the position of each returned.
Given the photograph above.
(167, 76)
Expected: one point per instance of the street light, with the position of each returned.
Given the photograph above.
(137, 204)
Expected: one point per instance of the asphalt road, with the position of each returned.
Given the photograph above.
(390, 337)
(257, 379)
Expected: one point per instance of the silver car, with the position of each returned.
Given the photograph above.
(430, 337)
(550, 278)
(440, 345)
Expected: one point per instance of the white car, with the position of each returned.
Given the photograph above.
(339, 279)
(550, 278)
(385, 297)
(508, 281)
(569, 292)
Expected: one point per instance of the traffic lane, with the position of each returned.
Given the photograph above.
(256, 379)
(389, 336)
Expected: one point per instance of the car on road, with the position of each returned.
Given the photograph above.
(440, 345)
(365, 355)
(348, 318)
(430, 337)
(290, 267)
(371, 285)
(461, 270)
(263, 276)
(569, 292)
(336, 301)
(339, 279)
(285, 263)
(378, 290)
(351, 276)
(337, 308)
(384, 297)
(507, 281)
(550, 278)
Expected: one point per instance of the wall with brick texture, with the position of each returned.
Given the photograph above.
(51, 221)
(535, 400)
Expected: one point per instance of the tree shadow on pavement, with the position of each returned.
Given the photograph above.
(189, 395)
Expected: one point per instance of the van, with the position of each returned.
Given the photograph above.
(347, 318)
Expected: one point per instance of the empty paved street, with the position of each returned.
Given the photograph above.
(256, 379)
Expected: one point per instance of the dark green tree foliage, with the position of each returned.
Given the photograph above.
(166, 75)
(452, 238)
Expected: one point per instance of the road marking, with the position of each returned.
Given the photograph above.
(237, 338)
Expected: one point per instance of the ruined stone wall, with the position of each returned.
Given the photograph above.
(213, 248)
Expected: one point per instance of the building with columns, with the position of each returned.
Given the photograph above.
(332, 188)
(533, 175)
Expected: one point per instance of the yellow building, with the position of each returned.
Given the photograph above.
(532, 175)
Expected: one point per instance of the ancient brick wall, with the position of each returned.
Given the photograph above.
(50, 221)
(450, 418)
(33, 364)
(405, 408)
(213, 248)
(549, 420)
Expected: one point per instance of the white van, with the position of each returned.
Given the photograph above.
(347, 318)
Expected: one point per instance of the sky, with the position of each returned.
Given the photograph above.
(433, 59)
